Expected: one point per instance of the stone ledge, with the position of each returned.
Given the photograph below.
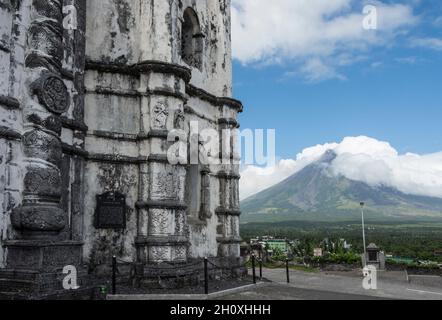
(161, 241)
(225, 175)
(74, 124)
(217, 101)
(41, 243)
(139, 68)
(161, 205)
(228, 212)
(229, 122)
(162, 67)
(73, 151)
(117, 159)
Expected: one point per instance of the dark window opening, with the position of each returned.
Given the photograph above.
(192, 40)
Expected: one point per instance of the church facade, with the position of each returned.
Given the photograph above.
(102, 106)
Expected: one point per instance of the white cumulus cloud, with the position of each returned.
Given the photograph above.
(361, 159)
(316, 34)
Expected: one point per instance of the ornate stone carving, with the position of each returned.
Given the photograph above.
(160, 222)
(43, 182)
(159, 254)
(49, 8)
(179, 119)
(160, 115)
(52, 93)
(180, 223)
(180, 253)
(164, 186)
(39, 218)
(42, 145)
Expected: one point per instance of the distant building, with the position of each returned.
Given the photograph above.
(374, 257)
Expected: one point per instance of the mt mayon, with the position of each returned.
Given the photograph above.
(319, 193)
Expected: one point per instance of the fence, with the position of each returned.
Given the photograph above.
(205, 265)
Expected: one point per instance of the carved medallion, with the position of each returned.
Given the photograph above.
(53, 94)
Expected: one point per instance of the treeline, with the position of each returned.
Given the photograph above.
(416, 241)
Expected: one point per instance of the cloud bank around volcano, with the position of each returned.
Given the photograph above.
(363, 159)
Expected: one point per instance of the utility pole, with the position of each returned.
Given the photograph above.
(363, 233)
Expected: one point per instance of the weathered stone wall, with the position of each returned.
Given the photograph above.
(138, 88)
(88, 110)
(10, 124)
(41, 133)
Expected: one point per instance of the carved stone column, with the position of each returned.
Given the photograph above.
(162, 209)
(229, 208)
(42, 238)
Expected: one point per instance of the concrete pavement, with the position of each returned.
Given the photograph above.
(336, 286)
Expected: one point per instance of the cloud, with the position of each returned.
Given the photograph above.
(315, 34)
(430, 43)
(364, 159)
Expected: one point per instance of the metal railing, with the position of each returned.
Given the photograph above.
(208, 267)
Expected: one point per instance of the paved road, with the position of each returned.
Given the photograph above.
(326, 286)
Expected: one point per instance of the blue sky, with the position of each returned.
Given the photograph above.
(389, 88)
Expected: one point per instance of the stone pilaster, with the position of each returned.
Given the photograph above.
(42, 241)
(229, 207)
(162, 210)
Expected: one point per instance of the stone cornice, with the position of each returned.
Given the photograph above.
(157, 204)
(140, 68)
(226, 175)
(74, 124)
(227, 212)
(162, 67)
(229, 122)
(117, 159)
(212, 99)
(130, 93)
(169, 240)
(74, 151)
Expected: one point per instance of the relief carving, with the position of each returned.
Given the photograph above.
(160, 222)
(180, 253)
(52, 93)
(160, 254)
(179, 119)
(39, 144)
(43, 182)
(164, 186)
(160, 115)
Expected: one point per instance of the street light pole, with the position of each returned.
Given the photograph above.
(363, 233)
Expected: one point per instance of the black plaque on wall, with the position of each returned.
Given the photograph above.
(111, 211)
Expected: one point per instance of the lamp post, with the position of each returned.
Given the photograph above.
(363, 233)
